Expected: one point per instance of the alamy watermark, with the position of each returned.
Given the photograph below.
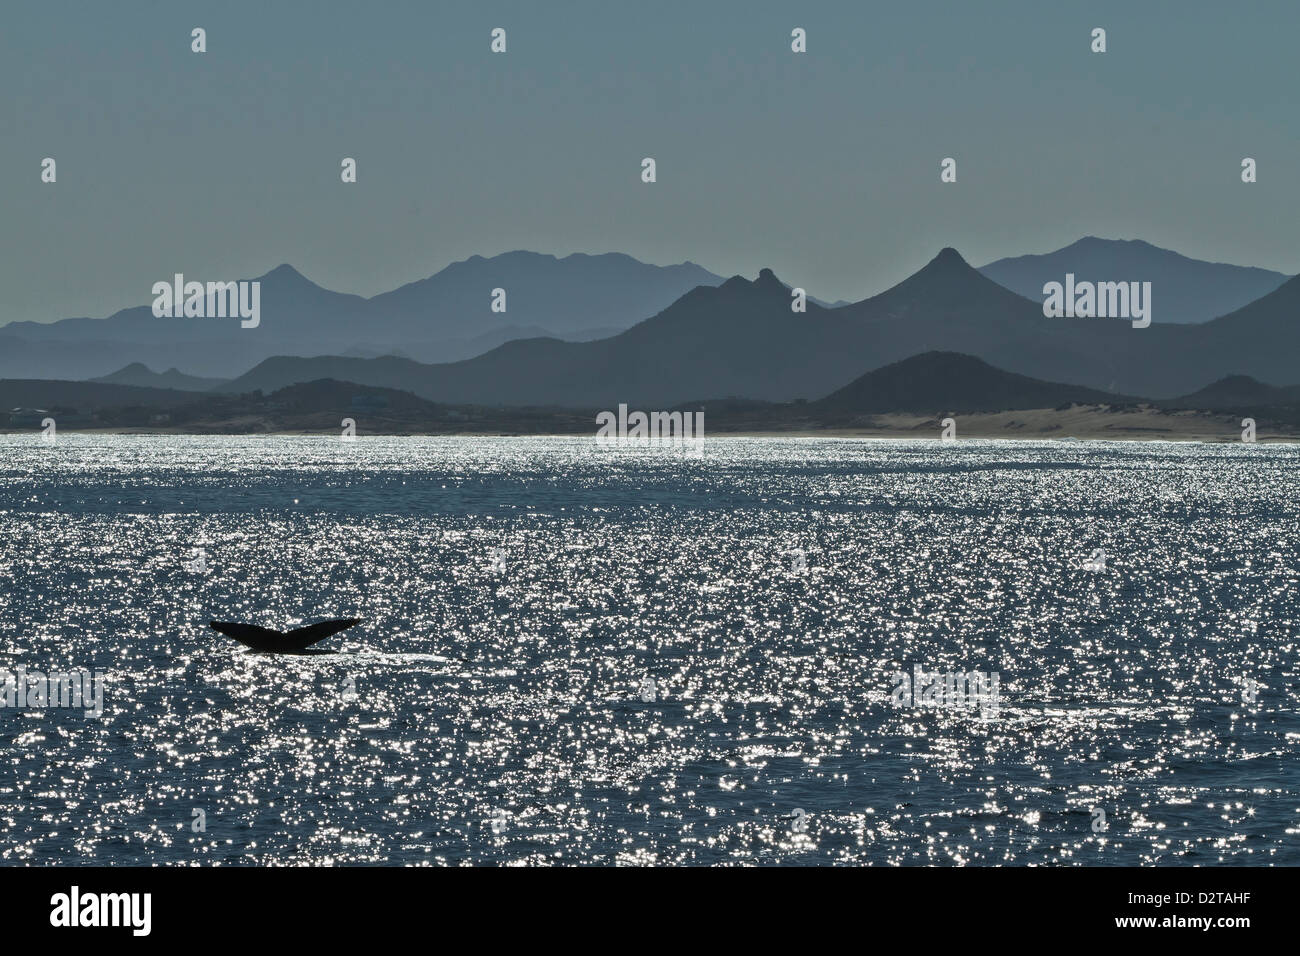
(1102, 300)
(242, 299)
(955, 690)
(679, 429)
(75, 909)
(33, 690)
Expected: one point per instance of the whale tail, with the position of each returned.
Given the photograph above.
(281, 642)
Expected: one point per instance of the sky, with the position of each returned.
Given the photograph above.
(823, 166)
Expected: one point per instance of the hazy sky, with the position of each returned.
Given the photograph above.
(824, 165)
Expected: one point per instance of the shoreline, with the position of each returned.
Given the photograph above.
(797, 434)
(1076, 423)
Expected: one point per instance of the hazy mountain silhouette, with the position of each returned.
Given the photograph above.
(445, 317)
(1239, 392)
(1261, 340)
(732, 339)
(741, 339)
(139, 374)
(566, 295)
(737, 339)
(1182, 289)
(951, 305)
(295, 313)
(949, 382)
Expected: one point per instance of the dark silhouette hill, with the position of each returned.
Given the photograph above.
(1186, 290)
(949, 382)
(139, 374)
(930, 385)
(85, 396)
(336, 396)
(1239, 392)
(282, 371)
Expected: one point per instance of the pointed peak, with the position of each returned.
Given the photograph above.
(948, 256)
(948, 281)
(284, 273)
(947, 265)
(1238, 379)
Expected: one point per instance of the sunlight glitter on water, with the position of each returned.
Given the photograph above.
(493, 712)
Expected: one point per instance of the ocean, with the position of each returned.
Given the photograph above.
(581, 655)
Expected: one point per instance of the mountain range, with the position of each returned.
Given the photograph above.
(708, 337)
(1184, 290)
(908, 398)
(445, 317)
(741, 339)
(137, 373)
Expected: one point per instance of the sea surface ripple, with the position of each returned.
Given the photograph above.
(517, 593)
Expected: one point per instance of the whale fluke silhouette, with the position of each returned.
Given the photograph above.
(265, 639)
